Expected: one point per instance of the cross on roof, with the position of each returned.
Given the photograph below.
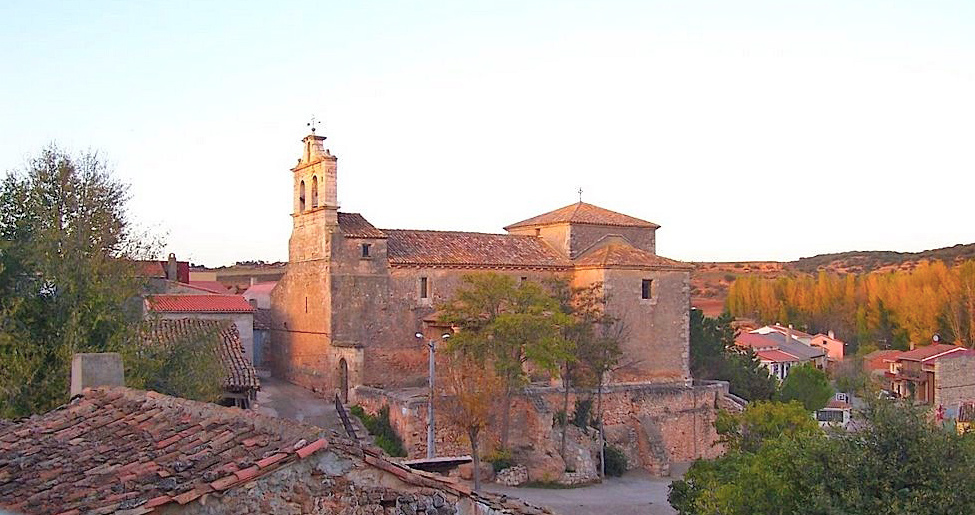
(580, 194)
(313, 123)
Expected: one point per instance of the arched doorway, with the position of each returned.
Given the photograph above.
(344, 381)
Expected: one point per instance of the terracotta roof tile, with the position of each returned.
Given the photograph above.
(776, 356)
(198, 304)
(928, 352)
(582, 213)
(241, 375)
(625, 256)
(116, 463)
(354, 225)
(468, 249)
(210, 286)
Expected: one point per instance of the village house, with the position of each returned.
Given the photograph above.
(240, 384)
(113, 449)
(229, 308)
(913, 374)
(779, 352)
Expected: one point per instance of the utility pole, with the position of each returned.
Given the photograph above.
(431, 428)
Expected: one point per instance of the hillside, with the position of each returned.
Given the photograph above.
(710, 280)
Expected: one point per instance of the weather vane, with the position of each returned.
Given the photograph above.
(580, 195)
(313, 123)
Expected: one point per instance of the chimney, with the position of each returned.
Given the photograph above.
(253, 280)
(89, 370)
(171, 268)
(788, 332)
(830, 334)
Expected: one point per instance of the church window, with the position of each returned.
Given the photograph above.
(314, 191)
(301, 197)
(646, 288)
(365, 249)
(424, 292)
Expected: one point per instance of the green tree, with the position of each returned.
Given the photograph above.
(184, 363)
(764, 420)
(808, 385)
(507, 324)
(66, 276)
(897, 464)
(714, 355)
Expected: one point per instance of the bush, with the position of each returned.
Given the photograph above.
(615, 460)
(378, 425)
(560, 418)
(499, 459)
(580, 418)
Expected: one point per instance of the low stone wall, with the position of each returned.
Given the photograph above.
(653, 424)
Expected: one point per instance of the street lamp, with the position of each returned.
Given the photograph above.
(432, 344)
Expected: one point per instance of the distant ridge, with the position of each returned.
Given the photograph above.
(710, 280)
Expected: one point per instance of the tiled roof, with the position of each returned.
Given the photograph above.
(198, 304)
(116, 449)
(261, 288)
(241, 376)
(354, 225)
(625, 256)
(776, 356)
(928, 352)
(876, 360)
(470, 250)
(803, 351)
(755, 340)
(582, 213)
(210, 286)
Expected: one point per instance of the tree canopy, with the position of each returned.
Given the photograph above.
(715, 356)
(807, 385)
(897, 464)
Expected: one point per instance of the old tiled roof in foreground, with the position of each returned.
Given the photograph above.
(625, 256)
(582, 213)
(354, 225)
(117, 450)
(241, 375)
(470, 250)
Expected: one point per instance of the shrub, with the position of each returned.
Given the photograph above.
(560, 418)
(615, 460)
(580, 418)
(499, 459)
(378, 425)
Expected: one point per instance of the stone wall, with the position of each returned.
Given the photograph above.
(954, 377)
(333, 483)
(655, 425)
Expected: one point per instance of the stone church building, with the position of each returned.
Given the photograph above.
(347, 310)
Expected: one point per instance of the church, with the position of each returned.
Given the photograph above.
(347, 310)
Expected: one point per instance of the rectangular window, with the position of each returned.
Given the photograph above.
(365, 249)
(423, 288)
(646, 288)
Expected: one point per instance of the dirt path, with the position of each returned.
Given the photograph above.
(278, 398)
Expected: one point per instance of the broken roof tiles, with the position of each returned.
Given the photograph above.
(116, 448)
(241, 375)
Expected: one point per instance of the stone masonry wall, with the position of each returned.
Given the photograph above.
(954, 381)
(654, 424)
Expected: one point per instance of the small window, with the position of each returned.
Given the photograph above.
(365, 249)
(423, 288)
(524, 279)
(646, 288)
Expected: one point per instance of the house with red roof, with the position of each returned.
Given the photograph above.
(233, 309)
(912, 374)
(779, 353)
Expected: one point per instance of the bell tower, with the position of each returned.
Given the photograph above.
(315, 211)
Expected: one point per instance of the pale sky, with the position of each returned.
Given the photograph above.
(748, 130)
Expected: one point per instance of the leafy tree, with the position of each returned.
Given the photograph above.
(761, 421)
(471, 393)
(66, 279)
(897, 464)
(593, 339)
(807, 385)
(714, 355)
(183, 364)
(506, 324)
